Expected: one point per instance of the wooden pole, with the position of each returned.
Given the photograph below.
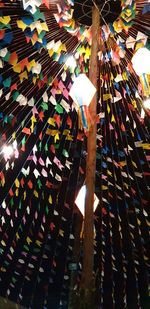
(76, 257)
(88, 244)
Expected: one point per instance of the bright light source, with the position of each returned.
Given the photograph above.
(142, 113)
(80, 200)
(71, 62)
(146, 103)
(7, 151)
(82, 90)
(141, 61)
(36, 69)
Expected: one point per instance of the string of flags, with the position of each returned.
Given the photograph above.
(42, 154)
(64, 17)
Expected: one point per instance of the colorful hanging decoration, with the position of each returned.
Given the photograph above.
(82, 93)
(64, 17)
(43, 155)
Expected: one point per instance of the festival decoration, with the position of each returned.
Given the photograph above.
(79, 201)
(65, 19)
(141, 61)
(42, 155)
(146, 103)
(82, 93)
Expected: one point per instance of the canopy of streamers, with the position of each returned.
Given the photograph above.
(43, 154)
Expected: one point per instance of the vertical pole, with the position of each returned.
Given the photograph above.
(88, 244)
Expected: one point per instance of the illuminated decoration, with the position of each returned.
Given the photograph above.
(39, 178)
(146, 103)
(71, 62)
(80, 200)
(7, 151)
(141, 61)
(82, 93)
(82, 90)
(142, 113)
(64, 17)
(109, 33)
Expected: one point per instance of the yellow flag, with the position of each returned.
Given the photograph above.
(61, 232)
(28, 240)
(50, 199)
(88, 51)
(17, 192)
(30, 65)
(134, 103)
(39, 243)
(134, 164)
(44, 27)
(17, 236)
(113, 119)
(5, 20)
(24, 195)
(56, 138)
(63, 47)
(3, 182)
(109, 173)
(146, 146)
(50, 52)
(148, 223)
(23, 76)
(3, 269)
(48, 131)
(17, 68)
(125, 76)
(66, 132)
(123, 163)
(104, 188)
(107, 96)
(33, 120)
(14, 135)
(3, 243)
(139, 222)
(34, 80)
(126, 185)
(17, 183)
(69, 137)
(35, 193)
(108, 108)
(21, 25)
(51, 121)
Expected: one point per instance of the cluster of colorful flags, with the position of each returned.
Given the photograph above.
(42, 147)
